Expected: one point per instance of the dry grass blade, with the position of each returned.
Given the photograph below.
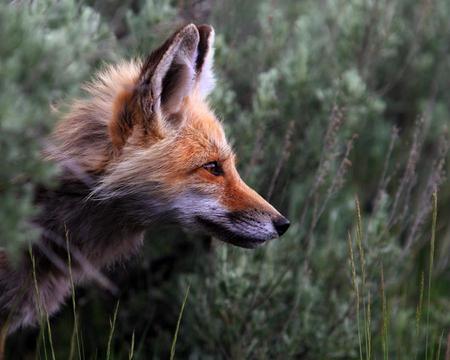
(447, 353)
(338, 180)
(384, 179)
(369, 326)
(438, 353)
(131, 353)
(384, 336)
(364, 287)
(175, 336)
(435, 179)
(286, 151)
(430, 269)
(356, 290)
(409, 176)
(420, 304)
(257, 150)
(327, 156)
(50, 337)
(111, 333)
(75, 333)
(42, 312)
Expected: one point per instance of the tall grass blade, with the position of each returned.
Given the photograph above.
(369, 325)
(420, 304)
(438, 353)
(175, 336)
(50, 337)
(141, 343)
(41, 338)
(111, 333)
(384, 336)
(131, 354)
(75, 331)
(41, 311)
(366, 307)
(419, 311)
(356, 289)
(72, 345)
(430, 269)
(447, 352)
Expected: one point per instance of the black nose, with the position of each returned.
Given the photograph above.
(281, 225)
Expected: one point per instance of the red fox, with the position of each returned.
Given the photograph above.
(142, 147)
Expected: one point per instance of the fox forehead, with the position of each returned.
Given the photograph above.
(202, 135)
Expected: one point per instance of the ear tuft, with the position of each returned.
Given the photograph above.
(205, 59)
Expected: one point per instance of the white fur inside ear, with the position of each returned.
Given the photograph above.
(206, 79)
(182, 82)
(174, 76)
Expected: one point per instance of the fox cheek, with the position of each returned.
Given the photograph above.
(188, 207)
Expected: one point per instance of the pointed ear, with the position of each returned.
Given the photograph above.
(205, 60)
(167, 76)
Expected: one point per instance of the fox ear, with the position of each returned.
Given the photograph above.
(205, 60)
(167, 76)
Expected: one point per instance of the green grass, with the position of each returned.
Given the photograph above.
(363, 295)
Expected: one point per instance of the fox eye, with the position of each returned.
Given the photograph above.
(214, 168)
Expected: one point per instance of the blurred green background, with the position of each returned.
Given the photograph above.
(325, 102)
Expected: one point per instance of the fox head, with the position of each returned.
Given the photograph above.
(159, 142)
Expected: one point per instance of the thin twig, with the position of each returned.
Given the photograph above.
(285, 153)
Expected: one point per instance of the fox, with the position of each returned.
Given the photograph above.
(142, 147)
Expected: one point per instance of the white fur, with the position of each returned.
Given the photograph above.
(206, 78)
(191, 206)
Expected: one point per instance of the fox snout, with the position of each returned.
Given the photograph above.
(253, 220)
(253, 228)
(248, 229)
(249, 226)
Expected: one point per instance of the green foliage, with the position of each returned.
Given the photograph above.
(46, 50)
(324, 102)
